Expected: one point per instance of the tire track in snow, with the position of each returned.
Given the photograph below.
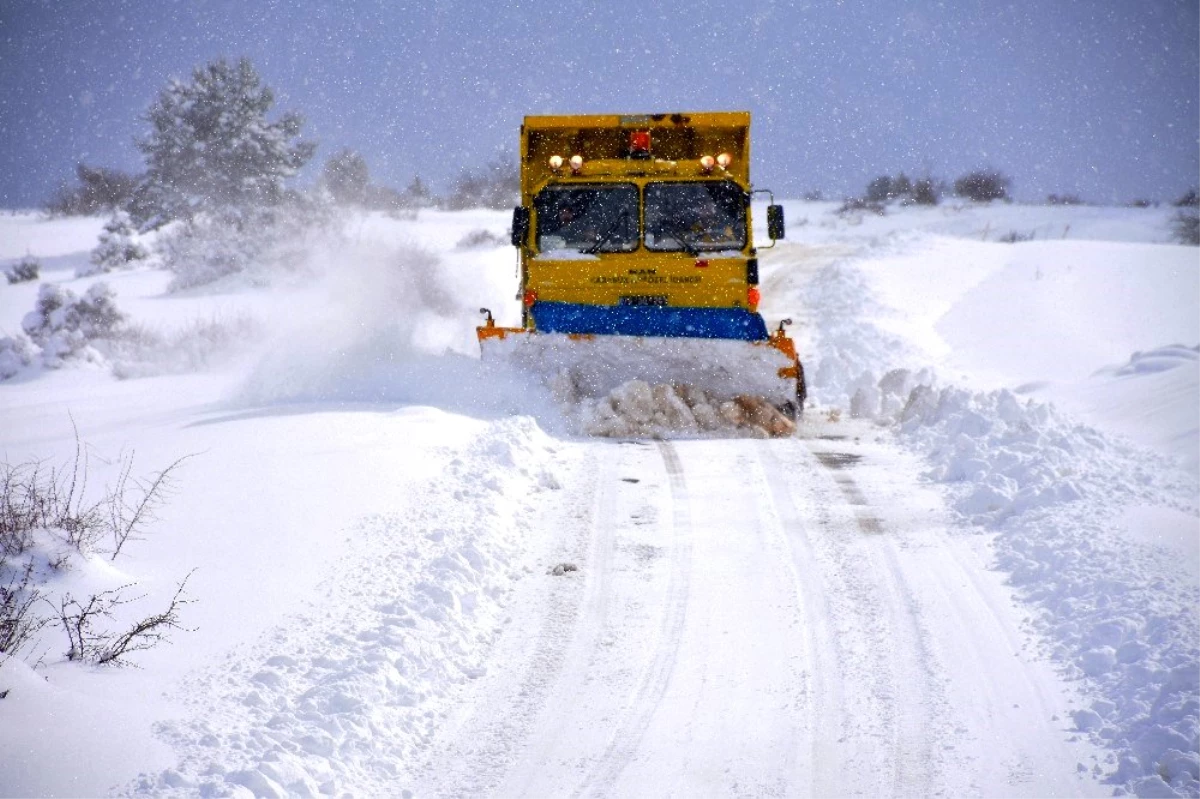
(912, 742)
(823, 690)
(874, 676)
(904, 678)
(645, 701)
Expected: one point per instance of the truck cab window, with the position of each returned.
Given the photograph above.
(695, 216)
(587, 219)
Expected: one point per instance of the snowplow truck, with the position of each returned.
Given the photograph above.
(636, 259)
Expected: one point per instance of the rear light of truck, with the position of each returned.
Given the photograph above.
(529, 298)
(752, 298)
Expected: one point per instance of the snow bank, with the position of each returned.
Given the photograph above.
(337, 698)
(1115, 607)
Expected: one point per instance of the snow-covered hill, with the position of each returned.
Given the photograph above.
(973, 571)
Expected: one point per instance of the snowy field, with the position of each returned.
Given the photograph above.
(973, 571)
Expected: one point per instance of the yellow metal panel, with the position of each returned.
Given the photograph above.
(677, 143)
(721, 283)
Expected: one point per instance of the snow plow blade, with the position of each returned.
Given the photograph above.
(590, 366)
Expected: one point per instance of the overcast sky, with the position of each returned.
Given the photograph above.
(1097, 97)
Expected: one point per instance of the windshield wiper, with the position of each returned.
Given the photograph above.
(603, 238)
(676, 229)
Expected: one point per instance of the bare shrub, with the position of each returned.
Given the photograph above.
(1013, 236)
(90, 644)
(46, 517)
(480, 238)
(1185, 228)
(24, 270)
(19, 598)
(983, 185)
(38, 498)
(857, 205)
(1190, 199)
(128, 517)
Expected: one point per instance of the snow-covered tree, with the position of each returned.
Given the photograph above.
(346, 177)
(497, 185)
(210, 146)
(118, 247)
(417, 195)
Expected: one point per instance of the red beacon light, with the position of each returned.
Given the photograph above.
(639, 143)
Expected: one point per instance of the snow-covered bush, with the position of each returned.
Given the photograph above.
(15, 353)
(65, 326)
(118, 247)
(143, 352)
(211, 148)
(24, 270)
(253, 242)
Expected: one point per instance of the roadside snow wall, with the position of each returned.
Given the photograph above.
(1115, 611)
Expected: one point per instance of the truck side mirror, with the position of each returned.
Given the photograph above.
(520, 226)
(775, 222)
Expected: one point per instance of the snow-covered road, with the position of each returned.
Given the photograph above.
(761, 618)
(941, 585)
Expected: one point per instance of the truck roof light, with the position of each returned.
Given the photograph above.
(707, 162)
(724, 160)
(556, 162)
(576, 163)
(639, 141)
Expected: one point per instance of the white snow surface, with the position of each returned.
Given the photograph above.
(973, 571)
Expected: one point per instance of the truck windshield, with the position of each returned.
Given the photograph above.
(708, 215)
(587, 219)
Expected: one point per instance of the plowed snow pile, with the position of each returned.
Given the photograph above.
(638, 409)
(1097, 534)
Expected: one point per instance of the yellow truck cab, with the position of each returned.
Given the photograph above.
(639, 225)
